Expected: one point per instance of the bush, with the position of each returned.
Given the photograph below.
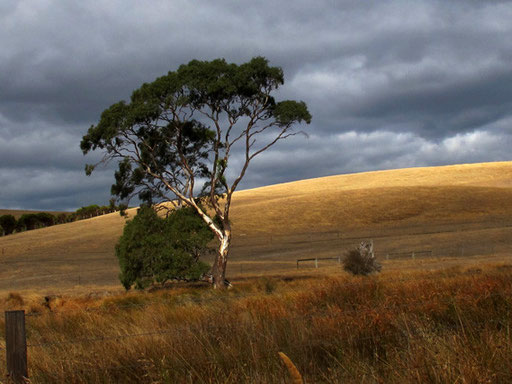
(7, 224)
(46, 219)
(154, 249)
(28, 222)
(361, 261)
(61, 218)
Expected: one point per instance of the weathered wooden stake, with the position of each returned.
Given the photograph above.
(316, 263)
(16, 346)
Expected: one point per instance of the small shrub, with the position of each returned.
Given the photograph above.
(361, 261)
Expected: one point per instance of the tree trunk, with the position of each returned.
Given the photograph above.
(221, 259)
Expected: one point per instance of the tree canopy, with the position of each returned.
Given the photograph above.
(175, 139)
(7, 224)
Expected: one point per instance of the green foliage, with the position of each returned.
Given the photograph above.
(28, 222)
(154, 249)
(162, 128)
(61, 218)
(288, 111)
(88, 212)
(182, 128)
(93, 211)
(7, 224)
(46, 219)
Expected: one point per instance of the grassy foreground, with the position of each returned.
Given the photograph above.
(399, 327)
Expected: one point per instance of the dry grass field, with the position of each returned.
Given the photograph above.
(446, 326)
(440, 317)
(455, 212)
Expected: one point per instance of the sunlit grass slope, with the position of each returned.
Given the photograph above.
(96, 235)
(356, 203)
(397, 197)
(451, 193)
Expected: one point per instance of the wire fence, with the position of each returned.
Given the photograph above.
(314, 235)
(181, 328)
(408, 367)
(325, 343)
(110, 308)
(177, 328)
(240, 268)
(255, 255)
(48, 260)
(267, 250)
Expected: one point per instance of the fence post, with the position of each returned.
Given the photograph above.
(316, 262)
(16, 346)
(413, 255)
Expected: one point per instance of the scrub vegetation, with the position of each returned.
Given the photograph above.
(438, 319)
(396, 327)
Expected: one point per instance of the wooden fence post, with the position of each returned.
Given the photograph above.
(316, 262)
(16, 346)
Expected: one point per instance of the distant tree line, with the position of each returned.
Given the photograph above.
(30, 221)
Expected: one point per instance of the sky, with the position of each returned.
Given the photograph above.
(390, 84)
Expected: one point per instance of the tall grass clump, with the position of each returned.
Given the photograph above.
(361, 260)
(414, 327)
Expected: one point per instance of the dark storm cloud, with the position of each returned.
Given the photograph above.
(389, 84)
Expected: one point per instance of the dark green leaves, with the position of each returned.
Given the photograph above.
(7, 224)
(113, 122)
(181, 127)
(289, 112)
(154, 249)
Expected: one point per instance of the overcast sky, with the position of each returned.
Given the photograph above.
(390, 84)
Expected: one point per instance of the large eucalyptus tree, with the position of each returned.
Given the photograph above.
(175, 138)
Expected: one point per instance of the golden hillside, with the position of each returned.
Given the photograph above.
(420, 198)
(471, 192)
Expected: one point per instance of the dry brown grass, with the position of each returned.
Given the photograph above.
(385, 198)
(455, 211)
(442, 319)
(398, 327)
